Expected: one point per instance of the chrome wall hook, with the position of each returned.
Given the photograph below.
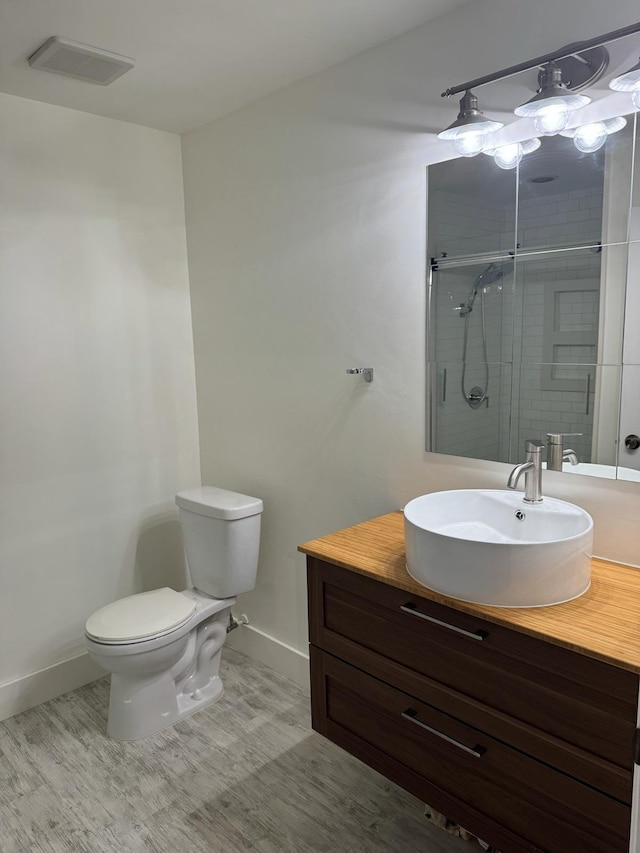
(367, 372)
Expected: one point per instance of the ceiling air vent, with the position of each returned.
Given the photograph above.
(80, 61)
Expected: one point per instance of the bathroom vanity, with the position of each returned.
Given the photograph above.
(520, 725)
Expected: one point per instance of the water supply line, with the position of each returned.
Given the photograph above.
(236, 623)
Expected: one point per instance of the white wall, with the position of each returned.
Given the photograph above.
(97, 391)
(306, 236)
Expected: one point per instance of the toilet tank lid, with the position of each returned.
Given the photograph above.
(218, 503)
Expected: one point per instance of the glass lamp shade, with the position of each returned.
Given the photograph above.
(508, 156)
(551, 120)
(592, 136)
(470, 144)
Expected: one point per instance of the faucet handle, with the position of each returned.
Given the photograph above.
(532, 445)
(557, 437)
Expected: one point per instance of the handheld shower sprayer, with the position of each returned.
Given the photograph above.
(493, 273)
(487, 277)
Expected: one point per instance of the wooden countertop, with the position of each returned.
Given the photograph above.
(604, 623)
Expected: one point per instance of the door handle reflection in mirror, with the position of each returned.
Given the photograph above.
(412, 716)
(632, 442)
(411, 608)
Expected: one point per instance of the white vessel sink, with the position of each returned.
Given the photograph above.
(490, 547)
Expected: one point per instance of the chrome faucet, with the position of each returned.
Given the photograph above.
(532, 470)
(556, 454)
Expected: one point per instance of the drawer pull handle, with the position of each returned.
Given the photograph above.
(412, 716)
(475, 635)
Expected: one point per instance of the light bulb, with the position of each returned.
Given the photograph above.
(635, 97)
(508, 156)
(471, 143)
(551, 120)
(590, 137)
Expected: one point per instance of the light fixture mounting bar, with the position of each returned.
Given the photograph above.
(562, 53)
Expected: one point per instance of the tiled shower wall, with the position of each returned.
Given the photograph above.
(558, 220)
(459, 226)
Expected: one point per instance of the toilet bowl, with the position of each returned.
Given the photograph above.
(163, 647)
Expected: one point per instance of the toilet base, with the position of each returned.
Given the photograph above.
(150, 712)
(191, 702)
(143, 704)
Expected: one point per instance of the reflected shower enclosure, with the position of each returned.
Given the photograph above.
(521, 263)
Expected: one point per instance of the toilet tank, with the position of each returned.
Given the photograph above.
(221, 532)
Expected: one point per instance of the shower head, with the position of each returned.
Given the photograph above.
(492, 274)
(487, 277)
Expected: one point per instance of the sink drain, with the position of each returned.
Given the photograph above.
(520, 515)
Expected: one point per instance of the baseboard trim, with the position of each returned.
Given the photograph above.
(52, 681)
(38, 687)
(280, 656)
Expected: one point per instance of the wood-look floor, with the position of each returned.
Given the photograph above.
(245, 774)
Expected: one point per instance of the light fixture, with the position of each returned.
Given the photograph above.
(469, 131)
(592, 136)
(552, 103)
(581, 63)
(509, 156)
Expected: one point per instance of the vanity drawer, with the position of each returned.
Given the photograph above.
(574, 699)
(475, 778)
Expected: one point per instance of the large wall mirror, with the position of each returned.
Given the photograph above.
(533, 308)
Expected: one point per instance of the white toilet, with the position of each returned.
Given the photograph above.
(163, 647)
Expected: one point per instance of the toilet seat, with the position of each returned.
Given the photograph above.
(140, 617)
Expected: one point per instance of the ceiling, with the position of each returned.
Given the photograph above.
(196, 60)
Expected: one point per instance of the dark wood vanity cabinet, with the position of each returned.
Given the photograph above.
(527, 744)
